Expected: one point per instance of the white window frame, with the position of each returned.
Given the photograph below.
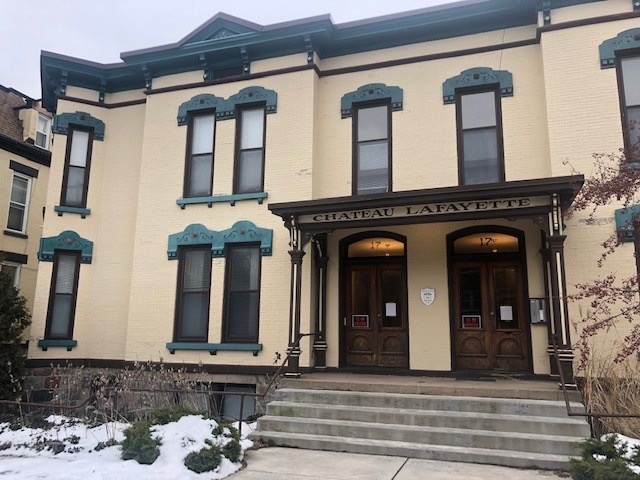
(26, 204)
(46, 133)
(16, 279)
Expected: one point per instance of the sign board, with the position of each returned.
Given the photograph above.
(427, 295)
(423, 210)
(360, 321)
(471, 322)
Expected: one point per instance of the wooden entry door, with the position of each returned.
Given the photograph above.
(489, 324)
(375, 321)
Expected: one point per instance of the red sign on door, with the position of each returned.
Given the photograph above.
(471, 322)
(360, 321)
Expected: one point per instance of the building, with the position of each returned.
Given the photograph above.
(393, 187)
(25, 136)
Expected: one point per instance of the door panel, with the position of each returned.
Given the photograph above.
(489, 317)
(376, 316)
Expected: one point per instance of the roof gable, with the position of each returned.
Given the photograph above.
(220, 26)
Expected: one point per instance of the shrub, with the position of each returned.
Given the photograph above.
(139, 445)
(162, 416)
(612, 462)
(232, 450)
(205, 460)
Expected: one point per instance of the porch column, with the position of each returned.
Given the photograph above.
(320, 342)
(636, 243)
(561, 327)
(296, 253)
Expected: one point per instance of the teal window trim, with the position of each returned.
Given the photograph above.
(477, 76)
(67, 240)
(248, 96)
(624, 222)
(627, 40)
(62, 122)
(371, 92)
(241, 232)
(213, 348)
(54, 343)
(205, 101)
(83, 212)
(232, 199)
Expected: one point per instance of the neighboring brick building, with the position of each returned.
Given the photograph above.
(25, 136)
(417, 160)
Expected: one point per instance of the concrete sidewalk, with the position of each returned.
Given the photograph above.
(291, 463)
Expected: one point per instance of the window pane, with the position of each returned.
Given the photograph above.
(633, 116)
(373, 167)
(43, 124)
(61, 315)
(12, 271)
(200, 181)
(16, 217)
(631, 76)
(203, 131)
(481, 157)
(372, 123)
(41, 140)
(75, 186)
(252, 125)
(19, 190)
(194, 314)
(243, 315)
(66, 273)
(250, 171)
(79, 146)
(245, 264)
(478, 110)
(196, 270)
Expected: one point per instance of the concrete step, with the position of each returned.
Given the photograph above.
(501, 386)
(545, 408)
(566, 426)
(406, 449)
(463, 437)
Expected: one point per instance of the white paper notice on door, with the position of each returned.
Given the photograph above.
(390, 309)
(506, 313)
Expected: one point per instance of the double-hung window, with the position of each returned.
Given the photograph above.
(480, 152)
(77, 164)
(372, 150)
(242, 294)
(198, 179)
(63, 295)
(13, 270)
(630, 102)
(19, 203)
(43, 130)
(249, 162)
(194, 292)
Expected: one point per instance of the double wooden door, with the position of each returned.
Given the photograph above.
(375, 319)
(489, 325)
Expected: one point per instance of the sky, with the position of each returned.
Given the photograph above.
(100, 30)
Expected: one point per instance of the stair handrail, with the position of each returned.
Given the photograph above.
(565, 393)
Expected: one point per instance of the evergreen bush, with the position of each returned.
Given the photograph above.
(205, 460)
(605, 460)
(139, 445)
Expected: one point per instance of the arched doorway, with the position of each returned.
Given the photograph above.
(487, 284)
(374, 330)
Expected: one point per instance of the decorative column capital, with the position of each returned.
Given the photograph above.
(296, 256)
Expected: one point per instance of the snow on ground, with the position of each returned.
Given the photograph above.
(29, 453)
(632, 445)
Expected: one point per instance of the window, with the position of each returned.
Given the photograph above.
(13, 270)
(62, 299)
(19, 203)
(249, 167)
(372, 149)
(630, 100)
(480, 156)
(242, 294)
(77, 163)
(42, 131)
(199, 165)
(194, 289)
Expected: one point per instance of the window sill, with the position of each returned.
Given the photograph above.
(46, 343)
(12, 233)
(213, 348)
(83, 212)
(232, 199)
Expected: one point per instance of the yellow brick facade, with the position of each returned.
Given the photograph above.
(564, 108)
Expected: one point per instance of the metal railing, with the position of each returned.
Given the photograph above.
(563, 386)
